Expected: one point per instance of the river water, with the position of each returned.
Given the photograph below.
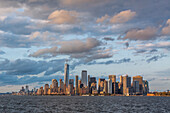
(79, 104)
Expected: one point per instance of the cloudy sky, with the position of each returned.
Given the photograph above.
(102, 36)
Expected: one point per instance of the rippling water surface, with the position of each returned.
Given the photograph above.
(76, 104)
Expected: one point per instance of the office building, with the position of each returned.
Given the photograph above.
(88, 80)
(93, 85)
(26, 89)
(145, 87)
(84, 78)
(126, 85)
(46, 87)
(140, 79)
(61, 86)
(136, 87)
(110, 86)
(76, 84)
(100, 85)
(121, 79)
(114, 85)
(113, 78)
(66, 74)
(105, 87)
(54, 85)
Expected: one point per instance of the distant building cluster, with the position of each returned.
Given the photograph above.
(88, 85)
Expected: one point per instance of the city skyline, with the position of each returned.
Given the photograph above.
(104, 37)
(89, 86)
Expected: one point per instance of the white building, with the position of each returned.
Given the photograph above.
(110, 86)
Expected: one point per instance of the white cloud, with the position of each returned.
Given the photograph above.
(123, 16)
(63, 17)
(166, 30)
(102, 19)
(69, 47)
(141, 34)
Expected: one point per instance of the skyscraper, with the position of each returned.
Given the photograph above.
(66, 74)
(110, 86)
(71, 86)
(76, 85)
(113, 78)
(84, 78)
(140, 79)
(26, 89)
(54, 83)
(126, 85)
(61, 86)
(145, 87)
(46, 87)
(100, 85)
(105, 86)
(136, 87)
(88, 80)
(71, 81)
(114, 85)
(121, 79)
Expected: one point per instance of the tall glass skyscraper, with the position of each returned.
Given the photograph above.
(84, 78)
(66, 74)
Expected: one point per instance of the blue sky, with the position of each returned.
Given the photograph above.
(103, 37)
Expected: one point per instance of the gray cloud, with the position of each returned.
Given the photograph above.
(108, 39)
(141, 34)
(166, 30)
(155, 58)
(14, 80)
(16, 25)
(124, 60)
(30, 67)
(69, 47)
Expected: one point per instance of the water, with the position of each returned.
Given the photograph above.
(76, 104)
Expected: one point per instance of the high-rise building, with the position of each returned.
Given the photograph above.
(100, 85)
(110, 86)
(40, 91)
(76, 85)
(84, 78)
(136, 87)
(71, 81)
(120, 85)
(54, 85)
(126, 85)
(121, 79)
(66, 74)
(71, 86)
(92, 85)
(145, 87)
(79, 86)
(105, 86)
(88, 80)
(46, 87)
(114, 85)
(113, 77)
(61, 86)
(26, 89)
(140, 79)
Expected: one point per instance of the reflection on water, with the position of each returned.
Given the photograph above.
(76, 104)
